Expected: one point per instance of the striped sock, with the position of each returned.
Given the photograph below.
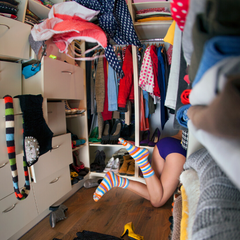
(9, 125)
(110, 180)
(140, 155)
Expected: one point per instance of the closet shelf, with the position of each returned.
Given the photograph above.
(77, 148)
(145, 5)
(75, 115)
(152, 30)
(169, 22)
(104, 145)
(40, 10)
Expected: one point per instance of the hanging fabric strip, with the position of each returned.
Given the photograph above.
(9, 125)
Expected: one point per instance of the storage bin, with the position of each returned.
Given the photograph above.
(14, 39)
(56, 80)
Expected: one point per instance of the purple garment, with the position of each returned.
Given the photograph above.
(170, 145)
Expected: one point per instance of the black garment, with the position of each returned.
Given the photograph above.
(8, 8)
(13, 2)
(34, 124)
(88, 235)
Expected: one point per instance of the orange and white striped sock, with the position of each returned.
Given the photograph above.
(110, 180)
(140, 155)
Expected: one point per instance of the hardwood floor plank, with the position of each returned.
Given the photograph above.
(108, 216)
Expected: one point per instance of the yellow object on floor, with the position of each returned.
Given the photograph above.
(129, 229)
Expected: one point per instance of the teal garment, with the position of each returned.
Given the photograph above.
(31, 70)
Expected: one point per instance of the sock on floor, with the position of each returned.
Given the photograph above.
(110, 180)
(140, 155)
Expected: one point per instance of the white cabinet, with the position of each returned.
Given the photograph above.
(56, 80)
(52, 161)
(10, 78)
(14, 43)
(15, 214)
(52, 188)
(6, 182)
(56, 119)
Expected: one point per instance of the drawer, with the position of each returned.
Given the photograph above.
(18, 136)
(53, 161)
(20, 213)
(56, 80)
(14, 39)
(52, 188)
(57, 117)
(10, 79)
(6, 183)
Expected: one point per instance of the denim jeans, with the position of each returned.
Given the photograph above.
(112, 89)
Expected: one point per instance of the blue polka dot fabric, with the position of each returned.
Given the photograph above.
(115, 20)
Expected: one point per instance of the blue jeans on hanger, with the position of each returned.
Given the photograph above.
(112, 89)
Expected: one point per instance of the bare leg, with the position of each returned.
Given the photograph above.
(161, 185)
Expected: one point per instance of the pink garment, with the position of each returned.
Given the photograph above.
(169, 54)
(179, 9)
(149, 10)
(153, 54)
(68, 21)
(146, 79)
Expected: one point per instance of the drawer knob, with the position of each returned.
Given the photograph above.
(56, 147)
(10, 208)
(54, 180)
(5, 25)
(67, 72)
(4, 164)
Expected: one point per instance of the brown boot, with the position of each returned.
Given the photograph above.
(124, 167)
(131, 168)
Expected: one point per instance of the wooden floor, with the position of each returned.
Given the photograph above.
(108, 216)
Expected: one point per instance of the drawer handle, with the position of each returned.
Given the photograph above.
(10, 208)
(4, 164)
(67, 72)
(5, 25)
(58, 146)
(54, 180)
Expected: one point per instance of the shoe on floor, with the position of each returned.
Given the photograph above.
(116, 165)
(93, 182)
(57, 215)
(109, 165)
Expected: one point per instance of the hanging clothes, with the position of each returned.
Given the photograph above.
(146, 78)
(126, 88)
(153, 54)
(106, 114)
(100, 86)
(115, 20)
(161, 82)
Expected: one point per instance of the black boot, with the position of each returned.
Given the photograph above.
(106, 132)
(115, 133)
